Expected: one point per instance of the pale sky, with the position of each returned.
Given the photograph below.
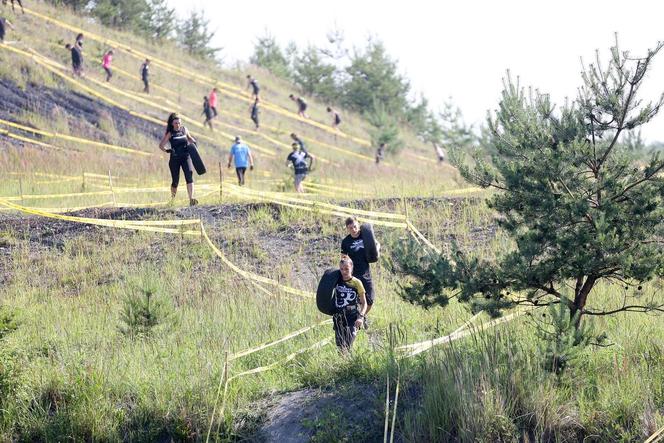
(458, 49)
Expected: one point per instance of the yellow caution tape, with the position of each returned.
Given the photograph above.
(123, 224)
(656, 437)
(288, 358)
(76, 139)
(278, 341)
(422, 237)
(417, 348)
(29, 140)
(251, 275)
(225, 88)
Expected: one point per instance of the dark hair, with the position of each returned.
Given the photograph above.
(291, 96)
(293, 136)
(248, 76)
(68, 46)
(169, 124)
(329, 109)
(79, 36)
(351, 220)
(346, 260)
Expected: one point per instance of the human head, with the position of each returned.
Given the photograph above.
(68, 46)
(248, 77)
(346, 267)
(110, 51)
(292, 97)
(173, 120)
(147, 61)
(79, 37)
(353, 226)
(329, 109)
(382, 145)
(205, 98)
(238, 139)
(214, 89)
(294, 136)
(295, 146)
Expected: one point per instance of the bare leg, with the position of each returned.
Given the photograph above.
(173, 191)
(190, 190)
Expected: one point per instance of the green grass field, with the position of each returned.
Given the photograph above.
(115, 335)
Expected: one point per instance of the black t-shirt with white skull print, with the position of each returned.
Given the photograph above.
(354, 248)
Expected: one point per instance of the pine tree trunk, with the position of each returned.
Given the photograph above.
(581, 297)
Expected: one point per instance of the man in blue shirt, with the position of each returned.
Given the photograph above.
(243, 159)
(298, 159)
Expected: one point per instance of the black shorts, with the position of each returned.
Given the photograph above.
(343, 324)
(183, 162)
(368, 288)
(214, 109)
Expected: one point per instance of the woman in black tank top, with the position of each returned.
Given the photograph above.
(179, 139)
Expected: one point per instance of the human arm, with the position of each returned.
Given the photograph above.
(164, 140)
(230, 158)
(190, 138)
(251, 161)
(362, 305)
(9, 24)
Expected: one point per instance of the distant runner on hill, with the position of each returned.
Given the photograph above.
(207, 111)
(351, 304)
(20, 3)
(336, 118)
(301, 105)
(440, 152)
(254, 112)
(179, 138)
(76, 59)
(298, 158)
(241, 155)
(298, 140)
(213, 101)
(145, 75)
(253, 84)
(106, 64)
(4, 23)
(380, 152)
(353, 246)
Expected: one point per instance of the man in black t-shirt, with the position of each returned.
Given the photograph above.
(76, 59)
(299, 158)
(353, 246)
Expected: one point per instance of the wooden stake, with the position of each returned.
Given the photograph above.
(221, 183)
(20, 190)
(110, 185)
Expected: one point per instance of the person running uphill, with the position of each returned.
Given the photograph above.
(76, 59)
(179, 138)
(207, 111)
(380, 153)
(336, 118)
(213, 101)
(4, 23)
(351, 305)
(145, 75)
(106, 64)
(301, 105)
(352, 246)
(20, 3)
(254, 113)
(253, 84)
(241, 153)
(298, 158)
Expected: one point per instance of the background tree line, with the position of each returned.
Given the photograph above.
(153, 19)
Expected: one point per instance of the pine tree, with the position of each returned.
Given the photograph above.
(160, 20)
(124, 14)
(572, 196)
(313, 76)
(194, 35)
(269, 55)
(373, 79)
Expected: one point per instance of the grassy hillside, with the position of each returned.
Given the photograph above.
(110, 334)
